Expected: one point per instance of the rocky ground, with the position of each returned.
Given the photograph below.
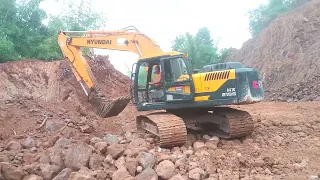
(57, 145)
(305, 90)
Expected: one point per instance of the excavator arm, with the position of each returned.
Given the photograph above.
(123, 40)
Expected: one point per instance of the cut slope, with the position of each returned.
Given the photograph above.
(287, 52)
(52, 81)
(32, 89)
(30, 78)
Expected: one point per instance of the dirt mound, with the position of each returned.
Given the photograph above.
(52, 80)
(287, 52)
(31, 90)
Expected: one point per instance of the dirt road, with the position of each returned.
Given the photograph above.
(287, 134)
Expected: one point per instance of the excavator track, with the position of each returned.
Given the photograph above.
(224, 122)
(170, 129)
(236, 123)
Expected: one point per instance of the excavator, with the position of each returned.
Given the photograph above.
(186, 99)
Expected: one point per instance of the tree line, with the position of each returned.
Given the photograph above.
(261, 17)
(201, 48)
(23, 34)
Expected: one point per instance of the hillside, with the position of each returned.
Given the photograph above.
(287, 54)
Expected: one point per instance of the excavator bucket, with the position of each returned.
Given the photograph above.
(107, 107)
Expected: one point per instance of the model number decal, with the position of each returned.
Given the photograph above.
(230, 92)
(179, 89)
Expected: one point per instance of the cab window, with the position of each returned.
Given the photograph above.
(176, 70)
(142, 76)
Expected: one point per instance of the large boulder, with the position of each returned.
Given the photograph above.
(78, 155)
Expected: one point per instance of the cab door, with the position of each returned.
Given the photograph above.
(177, 80)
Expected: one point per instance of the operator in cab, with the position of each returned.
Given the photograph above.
(157, 71)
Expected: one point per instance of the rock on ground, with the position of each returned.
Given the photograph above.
(32, 177)
(48, 171)
(146, 160)
(131, 164)
(121, 174)
(63, 143)
(165, 169)
(29, 143)
(148, 173)
(80, 176)
(95, 161)
(13, 145)
(77, 156)
(115, 150)
(177, 177)
(198, 145)
(101, 147)
(111, 139)
(63, 175)
(196, 174)
(10, 172)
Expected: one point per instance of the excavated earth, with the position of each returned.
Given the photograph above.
(47, 131)
(287, 54)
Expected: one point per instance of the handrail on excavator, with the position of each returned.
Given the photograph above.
(128, 28)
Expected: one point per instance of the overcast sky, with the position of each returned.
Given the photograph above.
(164, 19)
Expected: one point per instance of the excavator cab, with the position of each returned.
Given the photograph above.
(176, 83)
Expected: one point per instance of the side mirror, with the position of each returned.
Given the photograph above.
(196, 71)
(132, 75)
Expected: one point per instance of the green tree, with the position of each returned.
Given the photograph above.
(262, 16)
(8, 27)
(21, 28)
(224, 54)
(200, 48)
(77, 16)
(23, 35)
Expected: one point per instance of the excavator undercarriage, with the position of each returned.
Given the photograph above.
(171, 127)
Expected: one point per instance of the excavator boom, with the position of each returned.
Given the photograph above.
(71, 42)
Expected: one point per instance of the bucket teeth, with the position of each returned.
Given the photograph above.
(108, 108)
